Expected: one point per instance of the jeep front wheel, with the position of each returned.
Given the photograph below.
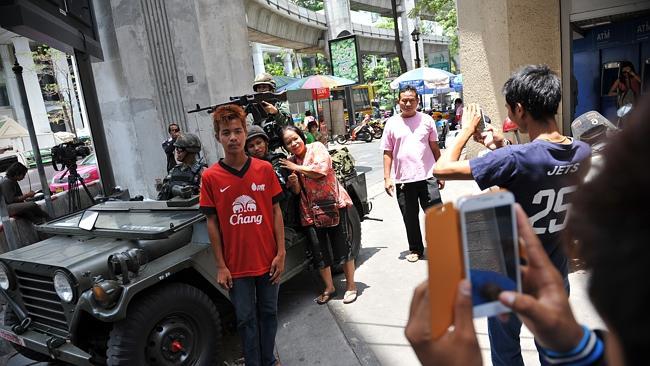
(175, 324)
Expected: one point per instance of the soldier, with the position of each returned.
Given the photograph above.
(185, 178)
(279, 113)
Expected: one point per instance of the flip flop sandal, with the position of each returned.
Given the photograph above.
(350, 296)
(413, 257)
(325, 297)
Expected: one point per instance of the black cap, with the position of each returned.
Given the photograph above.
(254, 131)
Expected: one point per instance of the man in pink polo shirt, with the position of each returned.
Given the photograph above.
(410, 146)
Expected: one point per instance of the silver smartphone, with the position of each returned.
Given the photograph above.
(490, 249)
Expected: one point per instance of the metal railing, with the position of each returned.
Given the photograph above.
(301, 13)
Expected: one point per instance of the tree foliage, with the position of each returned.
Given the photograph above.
(314, 5)
(445, 14)
(378, 76)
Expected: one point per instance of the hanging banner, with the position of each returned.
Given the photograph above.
(320, 93)
(346, 58)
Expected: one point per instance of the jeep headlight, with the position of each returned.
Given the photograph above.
(63, 286)
(5, 277)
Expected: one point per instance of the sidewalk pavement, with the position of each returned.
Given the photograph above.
(373, 326)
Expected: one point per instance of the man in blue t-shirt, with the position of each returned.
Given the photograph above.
(542, 175)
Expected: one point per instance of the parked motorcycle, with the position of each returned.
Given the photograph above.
(594, 129)
(364, 134)
(377, 126)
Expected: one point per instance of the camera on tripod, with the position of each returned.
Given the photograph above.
(67, 153)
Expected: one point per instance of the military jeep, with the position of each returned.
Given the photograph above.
(129, 283)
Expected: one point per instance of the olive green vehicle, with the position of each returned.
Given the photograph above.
(129, 283)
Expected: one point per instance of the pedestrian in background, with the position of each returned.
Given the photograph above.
(168, 145)
(239, 197)
(542, 174)
(18, 204)
(410, 147)
(323, 206)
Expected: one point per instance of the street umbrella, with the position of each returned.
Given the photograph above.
(281, 81)
(433, 78)
(317, 82)
(456, 82)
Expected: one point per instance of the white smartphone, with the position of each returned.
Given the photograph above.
(490, 249)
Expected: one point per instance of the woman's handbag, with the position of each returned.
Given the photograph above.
(324, 210)
(325, 213)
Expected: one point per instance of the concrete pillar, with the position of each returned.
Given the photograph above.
(132, 86)
(66, 86)
(258, 58)
(299, 64)
(498, 37)
(338, 17)
(288, 63)
(12, 85)
(32, 87)
(407, 26)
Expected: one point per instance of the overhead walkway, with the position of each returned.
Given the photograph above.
(382, 7)
(284, 24)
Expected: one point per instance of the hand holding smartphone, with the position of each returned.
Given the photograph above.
(476, 240)
(490, 249)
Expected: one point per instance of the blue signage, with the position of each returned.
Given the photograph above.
(642, 30)
(417, 84)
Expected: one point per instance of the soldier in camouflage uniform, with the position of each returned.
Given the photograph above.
(278, 113)
(185, 178)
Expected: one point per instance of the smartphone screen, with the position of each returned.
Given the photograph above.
(491, 256)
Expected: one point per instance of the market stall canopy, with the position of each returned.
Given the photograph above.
(431, 77)
(317, 82)
(281, 81)
(457, 82)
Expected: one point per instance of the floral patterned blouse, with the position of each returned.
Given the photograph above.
(326, 188)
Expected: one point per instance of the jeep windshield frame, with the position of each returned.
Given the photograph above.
(127, 222)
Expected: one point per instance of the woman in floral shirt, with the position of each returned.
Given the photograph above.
(313, 165)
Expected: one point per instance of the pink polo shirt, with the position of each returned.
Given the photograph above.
(408, 139)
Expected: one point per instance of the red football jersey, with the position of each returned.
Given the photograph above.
(243, 202)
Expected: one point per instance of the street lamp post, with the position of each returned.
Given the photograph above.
(415, 36)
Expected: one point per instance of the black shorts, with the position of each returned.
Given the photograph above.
(330, 245)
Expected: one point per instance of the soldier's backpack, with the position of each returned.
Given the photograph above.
(343, 164)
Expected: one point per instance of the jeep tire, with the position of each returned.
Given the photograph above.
(174, 324)
(11, 319)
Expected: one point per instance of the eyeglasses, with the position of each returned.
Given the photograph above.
(174, 130)
(180, 149)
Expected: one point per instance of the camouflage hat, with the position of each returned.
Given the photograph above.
(264, 79)
(189, 141)
(255, 131)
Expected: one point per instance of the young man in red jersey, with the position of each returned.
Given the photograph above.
(239, 196)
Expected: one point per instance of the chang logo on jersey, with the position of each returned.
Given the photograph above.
(244, 210)
(258, 187)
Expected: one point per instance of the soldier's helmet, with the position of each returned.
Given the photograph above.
(189, 141)
(255, 131)
(264, 79)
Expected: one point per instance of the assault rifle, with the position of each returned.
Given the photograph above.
(252, 104)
